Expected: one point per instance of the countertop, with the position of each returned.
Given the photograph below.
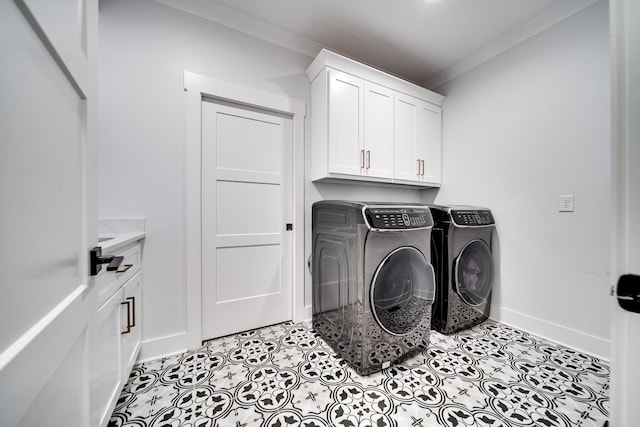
(114, 241)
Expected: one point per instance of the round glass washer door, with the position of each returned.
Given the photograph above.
(402, 291)
(474, 273)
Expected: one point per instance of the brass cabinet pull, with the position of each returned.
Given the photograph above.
(126, 267)
(418, 173)
(133, 311)
(361, 159)
(368, 159)
(127, 303)
(422, 163)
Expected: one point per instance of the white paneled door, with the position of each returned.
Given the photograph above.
(246, 205)
(47, 114)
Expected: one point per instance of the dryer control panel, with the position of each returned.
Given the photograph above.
(397, 218)
(472, 218)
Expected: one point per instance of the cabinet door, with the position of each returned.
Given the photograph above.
(407, 165)
(429, 142)
(107, 372)
(131, 323)
(346, 115)
(378, 131)
(417, 140)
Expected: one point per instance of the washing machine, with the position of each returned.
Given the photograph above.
(464, 266)
(373, 283)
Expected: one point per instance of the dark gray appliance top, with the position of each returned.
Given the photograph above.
(463, 215)
(386, 216)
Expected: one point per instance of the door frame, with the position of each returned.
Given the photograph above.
(196, 87)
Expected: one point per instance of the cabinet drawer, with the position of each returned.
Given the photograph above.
(108, 282)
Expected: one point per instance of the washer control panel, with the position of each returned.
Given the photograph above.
(472, 218)
(398, 218)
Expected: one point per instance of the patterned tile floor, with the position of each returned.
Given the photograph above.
(285, 375)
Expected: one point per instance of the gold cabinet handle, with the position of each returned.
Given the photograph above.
(126, 267)
(422, 163)
(133, 311)
(418, 173)
(368, 159)
(361, 159)
(127, 303)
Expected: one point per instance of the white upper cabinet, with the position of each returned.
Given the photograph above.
(429, 143)
(417, 140)
(370, 126)
(346, 115)
(360, 127)
(378, 131)
(408, 165)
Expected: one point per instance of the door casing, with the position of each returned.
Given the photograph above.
(196, 87)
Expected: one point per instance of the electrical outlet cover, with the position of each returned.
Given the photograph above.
(567, 203)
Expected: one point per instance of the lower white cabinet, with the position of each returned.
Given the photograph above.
(116, 340)
(107, 371)
(131, 337)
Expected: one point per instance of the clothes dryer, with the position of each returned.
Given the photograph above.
(464, 266)
(373, 283)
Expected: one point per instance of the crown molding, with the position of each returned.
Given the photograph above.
(551, 17)
(230, 18)
(246, 24)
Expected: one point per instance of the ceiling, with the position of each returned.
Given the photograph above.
(425, 41)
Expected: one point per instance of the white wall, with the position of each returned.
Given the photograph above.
(144, 49)
(519, 131)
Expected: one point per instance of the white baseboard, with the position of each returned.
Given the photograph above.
(586, 343)
(303, 315)
(590, 344)
(178, 343)
(164, 346)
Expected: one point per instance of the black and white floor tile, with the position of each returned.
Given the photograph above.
(285, 375)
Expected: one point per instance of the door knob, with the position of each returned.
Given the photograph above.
(629, 292)
(96, 260)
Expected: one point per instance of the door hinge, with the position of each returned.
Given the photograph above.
(289, 226)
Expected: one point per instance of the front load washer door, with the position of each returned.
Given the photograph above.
(402, 291)
(474, 273)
